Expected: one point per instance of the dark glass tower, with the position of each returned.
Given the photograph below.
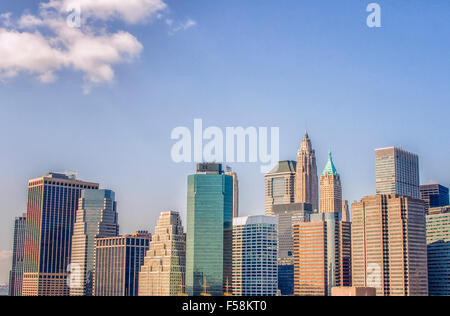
(209, 231)
(15, 277)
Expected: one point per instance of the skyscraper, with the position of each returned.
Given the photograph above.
(235, 191)
(96, 217)
(322, 250)
(438, 247)
(117, 264)
(209, 230)
(52, 205)
(306, 183)
(16, 274)
(397, 172)
(330, 189)
(255, 254)
(434, 195)
(287, 215)
(389, 249)
(164, 265)
(280, 185)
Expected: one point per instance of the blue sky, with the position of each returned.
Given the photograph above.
(290, 64)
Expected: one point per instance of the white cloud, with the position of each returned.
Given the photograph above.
(44, 43)
(131, 11)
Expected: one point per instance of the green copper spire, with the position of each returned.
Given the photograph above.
(330, 169)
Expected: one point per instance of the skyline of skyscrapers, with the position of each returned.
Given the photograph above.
(209, 230)
(96, 218)
(52, 205)
(162, 273)
(295, 249)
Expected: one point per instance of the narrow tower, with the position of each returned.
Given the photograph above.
(306, 183)
(330, 189)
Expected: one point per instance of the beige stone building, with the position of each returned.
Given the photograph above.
(389, 250)
(330, 189)
(235, 191)
(280, 186)
(306, 183)
(164, 266)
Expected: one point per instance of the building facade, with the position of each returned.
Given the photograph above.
(96, 218)
(434, 195)
(287, 215)
(16, 274)
(235, 191)
(306, 180)
(52, 205)
(117, 264)
(255, 255)
(209, 230)
(280, 185)
(438, 248)
(330, 189)
(164, 265)
(322, 251)
(397, 172)
(389, 249)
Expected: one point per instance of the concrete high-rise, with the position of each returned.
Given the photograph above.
(96, 218)
(306, 180)
(164, 265)
(287, 215)
(397, 172)
(330, 189)
(280, 185)
(117, 264)
(255, 271)
(52, 205)
(209, 230)
(322, 251)
(16, 274)
(434, 195)
(235, 191)
(389, 250)
(438, 247)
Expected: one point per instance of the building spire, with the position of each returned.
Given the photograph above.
(330, 169)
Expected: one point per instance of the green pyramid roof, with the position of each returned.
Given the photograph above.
(330, 169)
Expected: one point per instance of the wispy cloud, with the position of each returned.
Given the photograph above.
(182, 26)
(44, 43)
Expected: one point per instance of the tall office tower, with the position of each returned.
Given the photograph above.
(52, 205)
(209, 230)
(280, 185)
(306, 183)
(345, 211)
(96, 217)
(255, 254)
(438, 248)
(163, 271)
(16, 274)
(434, 195)
(322, 251)
(397, 172)
(330, 189)
(287, 215)
(117, 264)
(389, 250)
(235, 191)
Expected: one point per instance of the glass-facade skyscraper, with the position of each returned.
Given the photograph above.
(209, 230)
(16, 274)
(96, 217)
